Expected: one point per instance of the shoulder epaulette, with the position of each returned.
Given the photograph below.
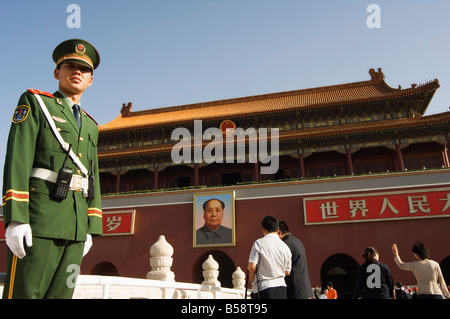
(40, 92)
(90, 117)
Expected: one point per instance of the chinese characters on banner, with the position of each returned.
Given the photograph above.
(114, 223)
(118, 223)
(377, 206)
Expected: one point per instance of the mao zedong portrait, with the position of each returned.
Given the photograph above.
(213, 232)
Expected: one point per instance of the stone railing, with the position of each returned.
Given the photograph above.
(160, 282)
(109, 287)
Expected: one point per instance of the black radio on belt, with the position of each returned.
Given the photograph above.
(91, 189)
(62, 184)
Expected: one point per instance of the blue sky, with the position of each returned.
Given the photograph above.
(159, 53)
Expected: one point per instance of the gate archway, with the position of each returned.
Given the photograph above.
(342, 271)
(226, 268)
(105, 269)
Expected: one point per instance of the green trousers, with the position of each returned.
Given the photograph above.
(48, 270)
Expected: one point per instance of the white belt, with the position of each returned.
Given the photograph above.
(77, 182)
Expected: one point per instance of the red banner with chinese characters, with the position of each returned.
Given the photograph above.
(383, 206)
(118, 223)
(114, 223)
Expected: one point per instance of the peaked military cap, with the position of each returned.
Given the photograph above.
(77, 51)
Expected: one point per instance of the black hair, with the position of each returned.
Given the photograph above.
(420, 249)
(369, 255)
(206, 203)
(270, 224)
(283, 227)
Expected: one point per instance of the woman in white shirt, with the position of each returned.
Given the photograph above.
(430, 282)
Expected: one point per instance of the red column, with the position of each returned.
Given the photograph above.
(256, 172)
(195, 174)
(349, 162)
(301, 165)
(398, 151)
(445, 157)
(118, 182)
(155, 178)
(445, 154)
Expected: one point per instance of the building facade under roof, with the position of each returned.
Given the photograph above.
(354, 128)
(355, 165)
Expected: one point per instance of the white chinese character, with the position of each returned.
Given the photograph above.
(387, 203)
(329, 210)
(420, 202)
(358, 204)
(447, 204)
(113, 222)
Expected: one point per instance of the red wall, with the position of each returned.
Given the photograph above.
(130, 254)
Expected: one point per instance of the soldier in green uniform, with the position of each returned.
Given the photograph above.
(51, 187)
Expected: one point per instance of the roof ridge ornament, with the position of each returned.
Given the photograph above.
(126, 109)
(376, 76)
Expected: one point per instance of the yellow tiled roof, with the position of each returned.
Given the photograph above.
(372, 90)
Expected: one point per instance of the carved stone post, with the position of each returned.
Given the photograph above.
(210, 272)
(238, 279)
(161, 260)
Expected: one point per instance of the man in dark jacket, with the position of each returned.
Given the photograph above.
(298, 283)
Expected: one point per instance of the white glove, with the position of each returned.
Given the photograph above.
(87, 244)
(15, 234)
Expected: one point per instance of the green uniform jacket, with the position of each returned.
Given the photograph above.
(32, 144)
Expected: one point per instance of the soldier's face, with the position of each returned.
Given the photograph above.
(73, 78)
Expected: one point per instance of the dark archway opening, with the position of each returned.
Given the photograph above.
(105, 269)
(226, 268)
(342, 271)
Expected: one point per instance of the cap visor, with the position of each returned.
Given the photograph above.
(81, 62)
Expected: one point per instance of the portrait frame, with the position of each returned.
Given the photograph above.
(202, 236)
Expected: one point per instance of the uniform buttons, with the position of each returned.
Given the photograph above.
(81, 138)
(78, 172)
(80, 155)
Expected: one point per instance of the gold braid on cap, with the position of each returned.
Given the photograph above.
(83, 58)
